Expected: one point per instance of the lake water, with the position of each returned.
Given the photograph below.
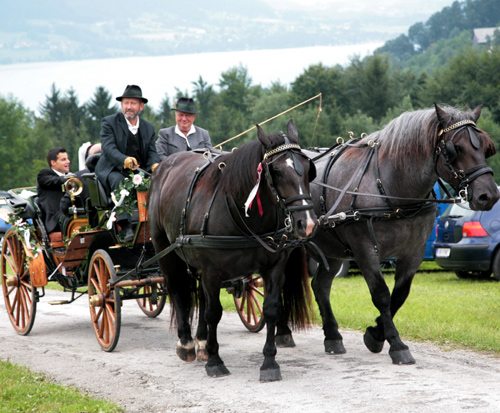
(161, 75)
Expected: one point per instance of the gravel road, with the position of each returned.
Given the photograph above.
(144, 374)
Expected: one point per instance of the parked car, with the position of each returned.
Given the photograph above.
(468, 242)
(440, 194)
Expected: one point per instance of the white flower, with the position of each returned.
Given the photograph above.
(137, 180)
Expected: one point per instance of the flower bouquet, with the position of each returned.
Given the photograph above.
(136, 186)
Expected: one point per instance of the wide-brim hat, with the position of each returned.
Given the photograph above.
(132, 91)
(185, 105)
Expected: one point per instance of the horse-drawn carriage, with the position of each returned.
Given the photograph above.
(372, 198)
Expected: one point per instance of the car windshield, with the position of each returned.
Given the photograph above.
(458, 211)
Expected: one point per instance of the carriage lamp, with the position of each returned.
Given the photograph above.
(73, 187)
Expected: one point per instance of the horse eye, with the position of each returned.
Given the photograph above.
(277, 173)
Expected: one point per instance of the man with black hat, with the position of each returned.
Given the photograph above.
(184, 136)
(127, 142)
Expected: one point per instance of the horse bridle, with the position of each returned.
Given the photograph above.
(447, 151)
(285, 203)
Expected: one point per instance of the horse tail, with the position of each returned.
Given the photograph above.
(296, 296)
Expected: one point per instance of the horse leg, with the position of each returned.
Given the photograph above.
(179, 286)
(213, 313)
(385, 329)
(296, 262)
(322, 284)
(270, 369)
(405, 271)
(202, 330)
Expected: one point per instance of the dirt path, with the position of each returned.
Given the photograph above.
(144, 374)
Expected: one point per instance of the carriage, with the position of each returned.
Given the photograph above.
(90, 259)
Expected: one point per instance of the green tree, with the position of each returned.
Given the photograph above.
(23, 147)
(203, 95)
(235, 87)
(98, 107)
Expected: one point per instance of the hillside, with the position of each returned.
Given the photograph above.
(56, 30)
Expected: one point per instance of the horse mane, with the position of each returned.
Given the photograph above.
(239, 175)
(413, 135)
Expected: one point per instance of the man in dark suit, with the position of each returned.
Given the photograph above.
(183, 136)
(127, 141)
(49, 187)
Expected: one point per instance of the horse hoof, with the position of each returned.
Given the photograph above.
(371, 344)
(334, 347)
(201, 353)
(187, 352)
(401, 357)
(218, 370)
(268, 375)
(285, 340)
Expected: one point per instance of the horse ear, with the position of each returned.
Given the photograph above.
(291, 131)
(263, 138)
(440, 113)
(477, 112)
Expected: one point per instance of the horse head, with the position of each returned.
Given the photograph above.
(462, 149)
(288, 172)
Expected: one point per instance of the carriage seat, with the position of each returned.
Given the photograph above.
(22, 207)
(91, 161)
(99, 197)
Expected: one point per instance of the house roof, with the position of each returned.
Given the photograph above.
(481, 35)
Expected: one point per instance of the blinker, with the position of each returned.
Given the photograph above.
(473, 138)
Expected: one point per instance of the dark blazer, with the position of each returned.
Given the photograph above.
(49, 189)
(169, 142)
(114, 134)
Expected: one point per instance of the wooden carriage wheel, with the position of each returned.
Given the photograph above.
(17, 288)
(147, 307)
(249, 306)
(105, 303)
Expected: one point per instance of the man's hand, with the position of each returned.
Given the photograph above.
(130, 163)
(153, 167)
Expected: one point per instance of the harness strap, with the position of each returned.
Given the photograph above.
(333, 157)
(207, 214)
(322, 219)
(365, 167)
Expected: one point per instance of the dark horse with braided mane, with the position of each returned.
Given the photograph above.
(372, 199)
(202, 209)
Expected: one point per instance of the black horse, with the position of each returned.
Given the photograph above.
(198, 208)
(371, 201)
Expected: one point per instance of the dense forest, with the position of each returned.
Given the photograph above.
(435, 62)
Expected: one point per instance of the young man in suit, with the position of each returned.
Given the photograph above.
(183, 136)
(49, 187)
(127, 141)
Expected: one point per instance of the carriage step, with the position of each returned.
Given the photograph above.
(59, 302)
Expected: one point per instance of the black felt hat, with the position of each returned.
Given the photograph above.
(185, 105)
(132, 91)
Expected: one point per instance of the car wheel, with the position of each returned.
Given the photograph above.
(495, 266)
(473, 274)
